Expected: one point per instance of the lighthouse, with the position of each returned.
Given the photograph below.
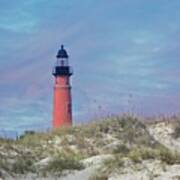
(62, 105)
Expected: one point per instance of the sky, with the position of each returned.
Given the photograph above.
(125, 56)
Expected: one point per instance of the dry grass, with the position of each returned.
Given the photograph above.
(63, 162)
(176, 133)
(68, 145)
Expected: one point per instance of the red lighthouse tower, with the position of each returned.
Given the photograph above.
(62, 111)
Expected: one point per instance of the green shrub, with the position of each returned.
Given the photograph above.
(22, 165)
(63, 162)
(176, 133)
(108, 167)
(163, 154)
(135, 156)
(169, 157)
(122, 149)
(98, 176)
(4, 164)
(117, 162)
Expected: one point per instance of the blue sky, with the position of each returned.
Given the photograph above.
(125, 56)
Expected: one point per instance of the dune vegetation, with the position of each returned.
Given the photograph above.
(124, 142)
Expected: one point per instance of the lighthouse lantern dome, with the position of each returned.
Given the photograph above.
(62, 57)
(62, 53)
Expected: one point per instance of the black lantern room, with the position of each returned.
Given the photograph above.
(62, 67)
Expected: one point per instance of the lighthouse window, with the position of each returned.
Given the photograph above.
(62, 62)
(67, 82)
(69, 107)
(58, 63)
